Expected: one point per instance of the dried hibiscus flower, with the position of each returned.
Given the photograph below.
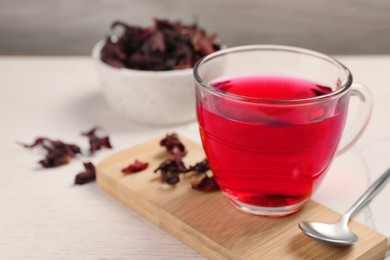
(136, 166)
(205, 184)
(170, 170)
(88, 175)
(95, 142)
(170, 177)
(164, 46)
(174, 145)
(58, 152)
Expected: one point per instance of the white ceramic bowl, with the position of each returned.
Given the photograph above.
(148, 97)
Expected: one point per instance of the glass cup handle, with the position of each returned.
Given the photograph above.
(359, 123)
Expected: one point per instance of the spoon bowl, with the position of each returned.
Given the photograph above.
(339, 234)
(334, 233)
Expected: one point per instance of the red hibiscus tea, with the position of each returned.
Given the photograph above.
(269, 156)
(271, 119)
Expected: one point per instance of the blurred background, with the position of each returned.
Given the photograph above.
(72, 27)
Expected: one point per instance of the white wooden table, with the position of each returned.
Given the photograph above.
(44, 216)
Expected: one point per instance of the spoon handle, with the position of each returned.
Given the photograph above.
(368, 195)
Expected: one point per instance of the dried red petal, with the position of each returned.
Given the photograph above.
(37, 141)
(200, 167)
(113, 53)
(205, 184)
(170, 170)
(58, 152)
(154, 43)
(88, 175)
(54, 159)
(170, 177)
(95, 142)
(172, 165)
(136, 166)
(174, 145)
(201, 42)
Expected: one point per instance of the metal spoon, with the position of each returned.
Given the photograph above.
(338, 233)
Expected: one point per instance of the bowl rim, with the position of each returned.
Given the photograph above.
(96, 56)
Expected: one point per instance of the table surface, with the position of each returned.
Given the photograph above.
(44, 216)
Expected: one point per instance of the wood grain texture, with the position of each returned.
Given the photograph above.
(73, 27)
(210, 225)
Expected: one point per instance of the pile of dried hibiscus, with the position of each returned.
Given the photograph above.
(171, 168)
(59, 153)
(164, 46)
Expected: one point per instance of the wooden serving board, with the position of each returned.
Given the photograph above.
(210, 225)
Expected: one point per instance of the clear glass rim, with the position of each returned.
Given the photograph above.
(340, 91)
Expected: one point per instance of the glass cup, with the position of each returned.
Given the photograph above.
(269, 145)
